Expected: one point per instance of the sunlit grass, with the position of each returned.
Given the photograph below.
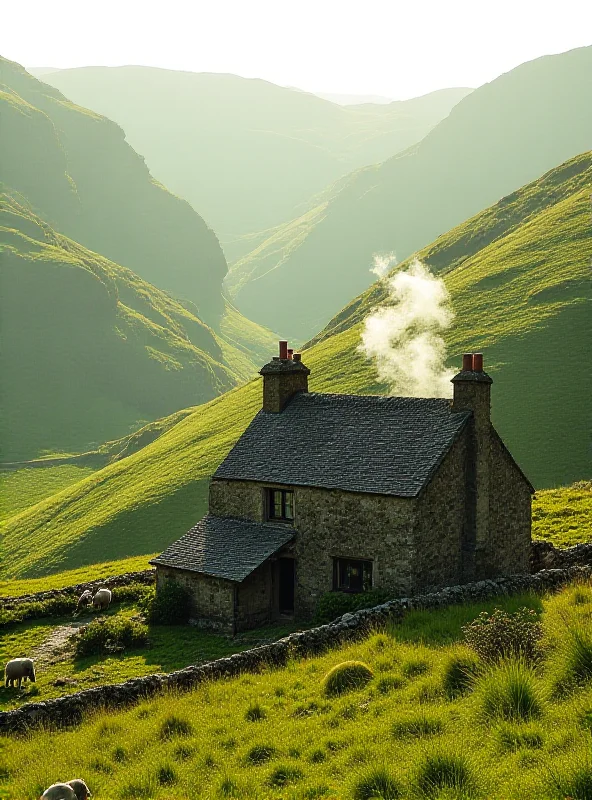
(408, 742)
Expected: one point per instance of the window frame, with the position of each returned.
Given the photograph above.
(366, 567)
(286, 503)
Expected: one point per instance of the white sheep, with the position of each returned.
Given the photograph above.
(102, 599)
(85, 599)
(73, 790)
(19, 669)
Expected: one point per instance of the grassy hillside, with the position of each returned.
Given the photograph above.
(418, 730)
(90, 349)
(82, 177)
(501, 136)
(245, 152)
(523, 268)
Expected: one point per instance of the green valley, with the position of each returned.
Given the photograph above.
(81, 176)
(518, 277)
(244, 152)
(91, 350)
(501, 136)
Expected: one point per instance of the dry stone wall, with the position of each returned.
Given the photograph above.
(147, 576)
(72, 709)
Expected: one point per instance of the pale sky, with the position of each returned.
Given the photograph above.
(396, 48)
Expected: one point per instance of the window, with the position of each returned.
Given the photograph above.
(351, 575)
(280, 505)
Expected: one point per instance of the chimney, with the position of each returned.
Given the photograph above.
(283, 377)
(472, 392)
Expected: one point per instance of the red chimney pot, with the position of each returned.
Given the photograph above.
(290, 353)
(467, 363)
(283, 349)
(477, 362)
(297, 357)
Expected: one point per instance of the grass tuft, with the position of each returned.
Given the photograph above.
(439, 772)
(508, 691)
(377, 783)
(175, 726)
(347, 677)
(460, 671)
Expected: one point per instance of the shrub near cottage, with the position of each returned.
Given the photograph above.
(502, 635)
(106, 635)
(170, 605)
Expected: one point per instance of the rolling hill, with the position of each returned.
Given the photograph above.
(519, 278)
(501, 136)
(246, 153)
(91, 350)
(79, 174)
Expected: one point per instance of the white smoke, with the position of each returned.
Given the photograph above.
(382, 264)
(404, 337)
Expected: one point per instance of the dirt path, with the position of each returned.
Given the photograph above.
(57, 646)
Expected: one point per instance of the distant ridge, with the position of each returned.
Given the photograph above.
(501, 136)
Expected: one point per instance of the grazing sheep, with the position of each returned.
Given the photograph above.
(19, 669)
(85, 599)
(73, 790)
(102, 599)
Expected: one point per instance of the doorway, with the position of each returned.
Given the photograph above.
(286, 585)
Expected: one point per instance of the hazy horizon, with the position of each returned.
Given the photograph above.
(319, 48)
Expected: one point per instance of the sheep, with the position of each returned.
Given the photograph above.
(73, 790)
(85, 599)
(19, 669)
(102, 599)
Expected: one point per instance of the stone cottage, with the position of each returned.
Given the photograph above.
(332, 492)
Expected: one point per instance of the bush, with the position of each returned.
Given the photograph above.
(460, 671)
(508, 692)
(377, 783)
(334, 604)
(441, 771)
(174, 726)
(502, 635)
(106, 635)
(170, 605)
(346, 677)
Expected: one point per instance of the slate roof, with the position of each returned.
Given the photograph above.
(375, 444)
(225, 547)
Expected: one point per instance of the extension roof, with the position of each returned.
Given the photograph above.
(372, 444)
(225, 547)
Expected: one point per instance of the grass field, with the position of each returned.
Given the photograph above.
(25, 487)
(564, 516)
(169, 648)
(515, 732)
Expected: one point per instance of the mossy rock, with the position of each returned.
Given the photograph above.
(347, 677)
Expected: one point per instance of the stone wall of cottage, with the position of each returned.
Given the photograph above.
(212, 599)
(241, 499)
(440, 530)
(333, 524)
(510, 514)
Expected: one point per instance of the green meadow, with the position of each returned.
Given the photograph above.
(422, 727)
